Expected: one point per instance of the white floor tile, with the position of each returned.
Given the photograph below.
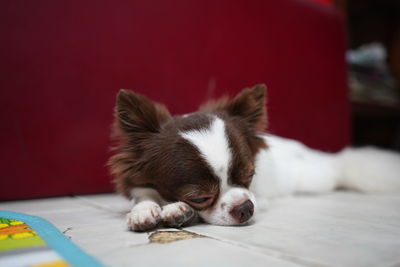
(340, 229)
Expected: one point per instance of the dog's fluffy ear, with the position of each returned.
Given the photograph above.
(249, 104)
(136, 116)
(136, 119)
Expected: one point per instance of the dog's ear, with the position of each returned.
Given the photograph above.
(137, 117)
(249, 104)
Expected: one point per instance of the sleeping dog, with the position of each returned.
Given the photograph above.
(213, 164)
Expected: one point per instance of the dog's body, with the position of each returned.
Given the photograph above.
(215, 163)
(288, 167)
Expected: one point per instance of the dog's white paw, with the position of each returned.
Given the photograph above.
(144, 216)
(176, 214)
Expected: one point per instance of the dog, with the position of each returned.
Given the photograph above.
(212, 164)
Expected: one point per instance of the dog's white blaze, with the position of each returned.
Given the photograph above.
(214, 148)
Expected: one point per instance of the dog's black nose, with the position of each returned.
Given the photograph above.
(243, 212)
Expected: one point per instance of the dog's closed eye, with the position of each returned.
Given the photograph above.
(200, 202)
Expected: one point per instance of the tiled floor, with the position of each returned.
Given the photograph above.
(340, 229)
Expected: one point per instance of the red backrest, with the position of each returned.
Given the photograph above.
(62, 63)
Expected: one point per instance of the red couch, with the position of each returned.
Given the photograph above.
(62, 63)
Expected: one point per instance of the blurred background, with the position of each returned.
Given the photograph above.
(373, 57)
(332, 70)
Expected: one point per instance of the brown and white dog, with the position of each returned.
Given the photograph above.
(211, 164)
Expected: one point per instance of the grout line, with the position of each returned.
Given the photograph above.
(269, 252)
(96, 204)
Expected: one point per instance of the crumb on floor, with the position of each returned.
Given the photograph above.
(172, 236)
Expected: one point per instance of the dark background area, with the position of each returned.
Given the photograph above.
(375, 122)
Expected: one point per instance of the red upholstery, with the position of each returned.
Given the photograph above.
(62, 63)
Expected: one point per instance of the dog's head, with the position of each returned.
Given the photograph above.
(205, 159)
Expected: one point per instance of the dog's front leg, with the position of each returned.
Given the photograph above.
(177, 214)
(146, 212)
